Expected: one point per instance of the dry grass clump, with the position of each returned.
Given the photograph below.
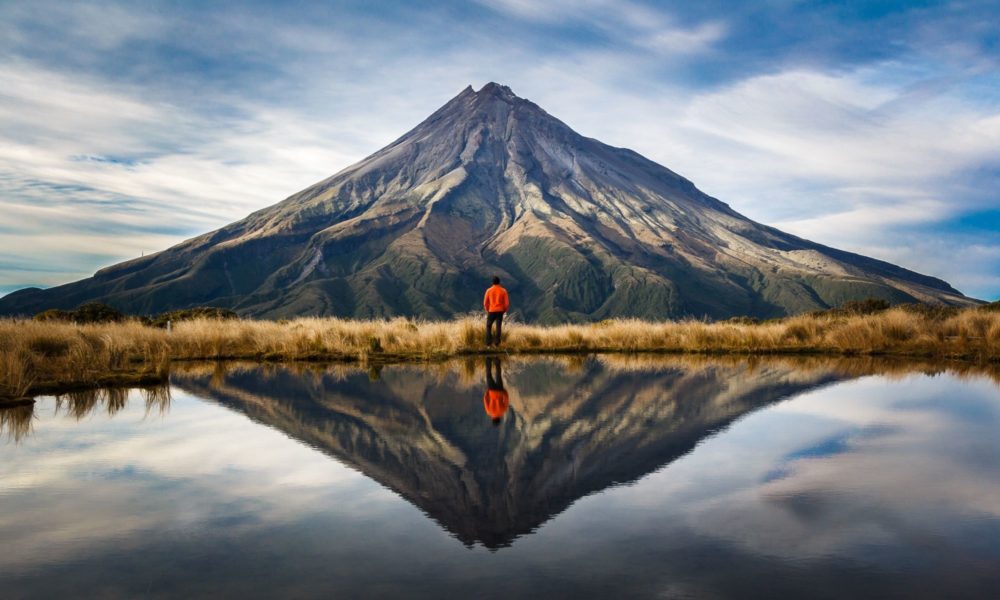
(85, 402)
(37, 356)
(318, 338)
(16, 422)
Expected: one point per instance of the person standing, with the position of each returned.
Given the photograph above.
(496, 304)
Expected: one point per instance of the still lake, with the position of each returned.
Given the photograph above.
(577, 477)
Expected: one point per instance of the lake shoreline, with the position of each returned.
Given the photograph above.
(141, 379)
(42, 357)
(144, 379)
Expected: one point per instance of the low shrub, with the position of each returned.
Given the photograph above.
(91, 312)
(868, 306)
(190, 314)
(935, 312)
(54, 314)
(991, 307)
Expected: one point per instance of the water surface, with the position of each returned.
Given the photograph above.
(590, 477)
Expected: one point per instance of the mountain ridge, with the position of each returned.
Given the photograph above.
(489, 184)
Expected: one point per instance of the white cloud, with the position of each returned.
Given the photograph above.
(677, 40)
(87, 167)
(833, 127)
(624, 22)
(83, 24)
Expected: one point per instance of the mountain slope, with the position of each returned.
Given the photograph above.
(492, 184)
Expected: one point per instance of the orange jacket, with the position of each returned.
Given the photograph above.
(496, 402)
(496, 299)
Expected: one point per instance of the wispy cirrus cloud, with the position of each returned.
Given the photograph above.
(620, 23)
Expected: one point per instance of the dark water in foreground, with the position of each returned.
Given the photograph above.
(602, 478)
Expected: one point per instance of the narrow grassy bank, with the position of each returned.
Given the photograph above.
(42, 356)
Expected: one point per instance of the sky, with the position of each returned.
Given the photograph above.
(127, 127)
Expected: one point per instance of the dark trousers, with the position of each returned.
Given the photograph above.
(493, 318)
(493, 382)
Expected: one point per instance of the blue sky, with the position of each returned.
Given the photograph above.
(128, 127)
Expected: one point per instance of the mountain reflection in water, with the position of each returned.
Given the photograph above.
(569, 431)
(775, 478)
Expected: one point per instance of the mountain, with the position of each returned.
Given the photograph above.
(569, 432)
(492, 184)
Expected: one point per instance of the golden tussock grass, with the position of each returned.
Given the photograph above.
(44, 356)
(16, 422)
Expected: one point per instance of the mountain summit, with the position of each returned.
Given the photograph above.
(491, 184)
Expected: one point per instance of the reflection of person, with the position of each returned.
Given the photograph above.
(496, 304)
(495, 400)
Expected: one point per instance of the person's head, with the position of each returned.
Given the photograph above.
(496, 421)
(496, 281)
